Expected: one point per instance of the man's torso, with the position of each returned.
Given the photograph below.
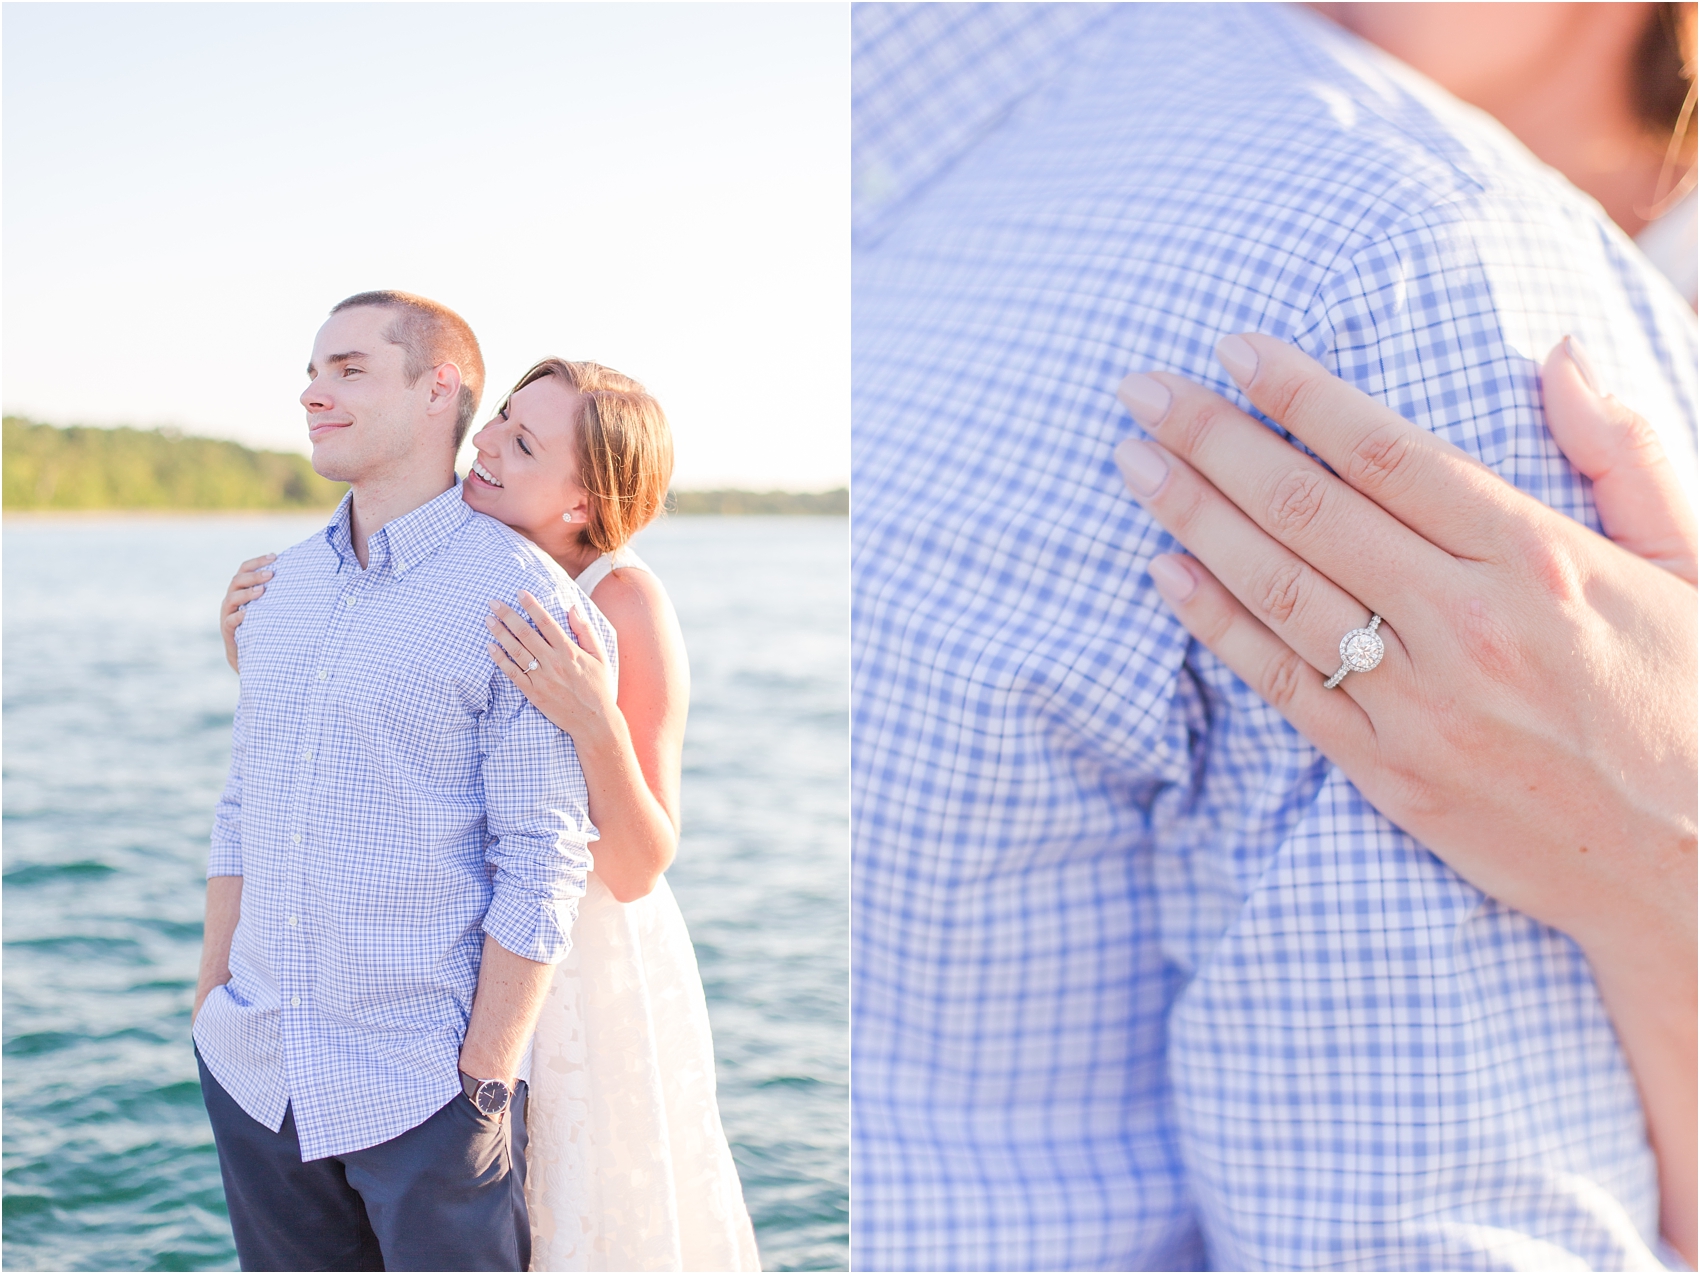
(369, 706)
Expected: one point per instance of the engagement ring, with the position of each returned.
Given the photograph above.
(1360, 650)
(532, 666)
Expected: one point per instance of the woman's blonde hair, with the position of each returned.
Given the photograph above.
(623, 447)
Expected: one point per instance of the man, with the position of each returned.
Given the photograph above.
(399, 849)
(1140, 981)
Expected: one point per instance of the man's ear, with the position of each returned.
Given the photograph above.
(445, 389)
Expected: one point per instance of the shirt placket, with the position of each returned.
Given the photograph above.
(300, 1044)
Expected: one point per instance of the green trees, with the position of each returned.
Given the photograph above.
(46, 467)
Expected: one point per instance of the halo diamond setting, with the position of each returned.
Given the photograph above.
(1360, 650)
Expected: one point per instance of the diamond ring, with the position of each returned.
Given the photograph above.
(1360, 651)
(532, 666)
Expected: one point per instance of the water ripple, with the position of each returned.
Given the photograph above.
(116, 742)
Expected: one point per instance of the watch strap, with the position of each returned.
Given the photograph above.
(470, 1087)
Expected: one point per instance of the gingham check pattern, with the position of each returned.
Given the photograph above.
(1140, 982)
(392, 798)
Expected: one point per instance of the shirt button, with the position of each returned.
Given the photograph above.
(323, 674)
(294, 839)
(295, 1001)
(307, 755)
(292, 922)
(348, 601)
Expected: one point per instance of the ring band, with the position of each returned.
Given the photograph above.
(1360, 651)
(531, 667)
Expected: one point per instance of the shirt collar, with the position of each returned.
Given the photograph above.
(403, 542)
(337, 532)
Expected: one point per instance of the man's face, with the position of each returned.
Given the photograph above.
(362, 416)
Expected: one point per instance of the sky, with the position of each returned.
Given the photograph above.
(189, 188)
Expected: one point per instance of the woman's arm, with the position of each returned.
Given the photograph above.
(629, 743)
(1533, 718)
(247, 584)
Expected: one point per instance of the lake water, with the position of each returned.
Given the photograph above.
(117, 711)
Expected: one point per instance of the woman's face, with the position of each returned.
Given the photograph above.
(1491, 55)
(524, 473)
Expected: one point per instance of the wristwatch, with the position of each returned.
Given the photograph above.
(491, 1096)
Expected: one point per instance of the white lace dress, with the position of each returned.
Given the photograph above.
(628, 1167)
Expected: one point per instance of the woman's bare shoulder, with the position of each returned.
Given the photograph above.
(632, 595)
(652, 648)
(638, 607)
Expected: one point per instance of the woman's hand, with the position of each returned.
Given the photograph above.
(1640, 501)
(1533, 719)
(572, 684)
(247, 584)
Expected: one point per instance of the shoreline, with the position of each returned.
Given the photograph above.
(81, 515)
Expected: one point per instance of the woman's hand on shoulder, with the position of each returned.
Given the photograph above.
(247, 584)
(1532, 720)
(571, 683)
(629, 730)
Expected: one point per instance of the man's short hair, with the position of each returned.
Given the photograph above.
(431, 334)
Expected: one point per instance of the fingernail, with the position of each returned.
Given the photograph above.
(1146, 400)
(1142, 465)
(1584, 365)
(1173, 580)
(1236, 354)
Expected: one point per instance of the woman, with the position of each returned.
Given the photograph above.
(1532, 717)
(628, 1167)
(1602, 92)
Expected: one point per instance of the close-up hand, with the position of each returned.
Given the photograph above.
(570, 683)
(247, 584)
(1532, 720)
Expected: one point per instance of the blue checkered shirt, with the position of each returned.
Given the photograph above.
(1140, 981)
(392, 799)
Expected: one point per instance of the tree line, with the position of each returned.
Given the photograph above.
(47, 467)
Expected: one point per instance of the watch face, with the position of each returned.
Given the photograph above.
(492, 1097)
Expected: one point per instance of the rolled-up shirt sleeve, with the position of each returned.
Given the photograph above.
(225, 858)
(538, 810)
